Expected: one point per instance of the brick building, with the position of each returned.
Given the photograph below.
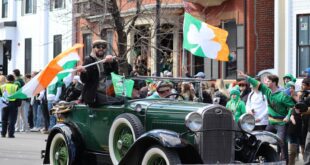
(250, 24)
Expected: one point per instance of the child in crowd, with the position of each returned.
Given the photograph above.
(235, 104)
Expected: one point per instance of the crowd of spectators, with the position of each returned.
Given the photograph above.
(276, 108)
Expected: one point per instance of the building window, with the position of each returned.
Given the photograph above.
(57, 4)
(87, 41)
(57, 45)
(107, 34)
(230, 68)
(28, 52)
(303, 44)
(4, 8)
(28, 6)
(165, 59)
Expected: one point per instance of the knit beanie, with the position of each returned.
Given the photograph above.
(234, 91)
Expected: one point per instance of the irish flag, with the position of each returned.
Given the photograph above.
(64, 60)
(204, 40)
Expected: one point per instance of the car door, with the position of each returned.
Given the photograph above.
(100, 121)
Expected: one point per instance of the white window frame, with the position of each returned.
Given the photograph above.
(7, 9)
(53, 5)
(302, 46)
(33, 8)
(31, 5)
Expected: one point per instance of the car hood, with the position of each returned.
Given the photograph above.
(169, 104)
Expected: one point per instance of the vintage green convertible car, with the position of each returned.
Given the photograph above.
(156, 131)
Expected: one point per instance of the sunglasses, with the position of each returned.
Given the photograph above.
(242, 85)
(161, 92)
(101, 46)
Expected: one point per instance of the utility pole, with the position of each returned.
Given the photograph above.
(157, 35)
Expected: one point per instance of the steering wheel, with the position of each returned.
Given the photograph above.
(177, 95)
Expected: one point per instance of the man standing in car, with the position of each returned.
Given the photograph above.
(98, 87)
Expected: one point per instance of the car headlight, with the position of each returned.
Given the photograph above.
(246, 122)
(138, 108)
(193, 121)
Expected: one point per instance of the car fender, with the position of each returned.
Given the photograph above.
(261, 146)
(265, 138)
(71, 135)
(165, 138)
(269, 137)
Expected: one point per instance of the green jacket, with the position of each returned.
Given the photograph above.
(237, 108)
(236, 105)
(279, 104)
(19, 82)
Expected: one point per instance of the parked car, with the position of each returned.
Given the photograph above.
(156, 131)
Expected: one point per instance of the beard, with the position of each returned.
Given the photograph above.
(100, 54)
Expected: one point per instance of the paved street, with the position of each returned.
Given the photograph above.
(24, 149)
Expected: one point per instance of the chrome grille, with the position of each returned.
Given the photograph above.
(217, 143)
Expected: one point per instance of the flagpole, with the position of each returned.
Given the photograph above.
(85, 66)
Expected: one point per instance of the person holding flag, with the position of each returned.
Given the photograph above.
(98, 87)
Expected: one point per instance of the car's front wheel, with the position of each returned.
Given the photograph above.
(59, 152)
(126, 128)
(266, 154)
(158, 155)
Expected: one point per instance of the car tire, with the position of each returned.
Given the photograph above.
(158, 154)
(126, 128)
(59, 151)
(267, 154)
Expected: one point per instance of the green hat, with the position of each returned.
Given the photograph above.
(149, 80)
(290, 76)
(234, 91)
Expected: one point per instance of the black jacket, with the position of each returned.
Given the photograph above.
(295, 130)
(90, 78)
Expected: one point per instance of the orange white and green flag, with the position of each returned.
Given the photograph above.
(204, 40)
(65, 60)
